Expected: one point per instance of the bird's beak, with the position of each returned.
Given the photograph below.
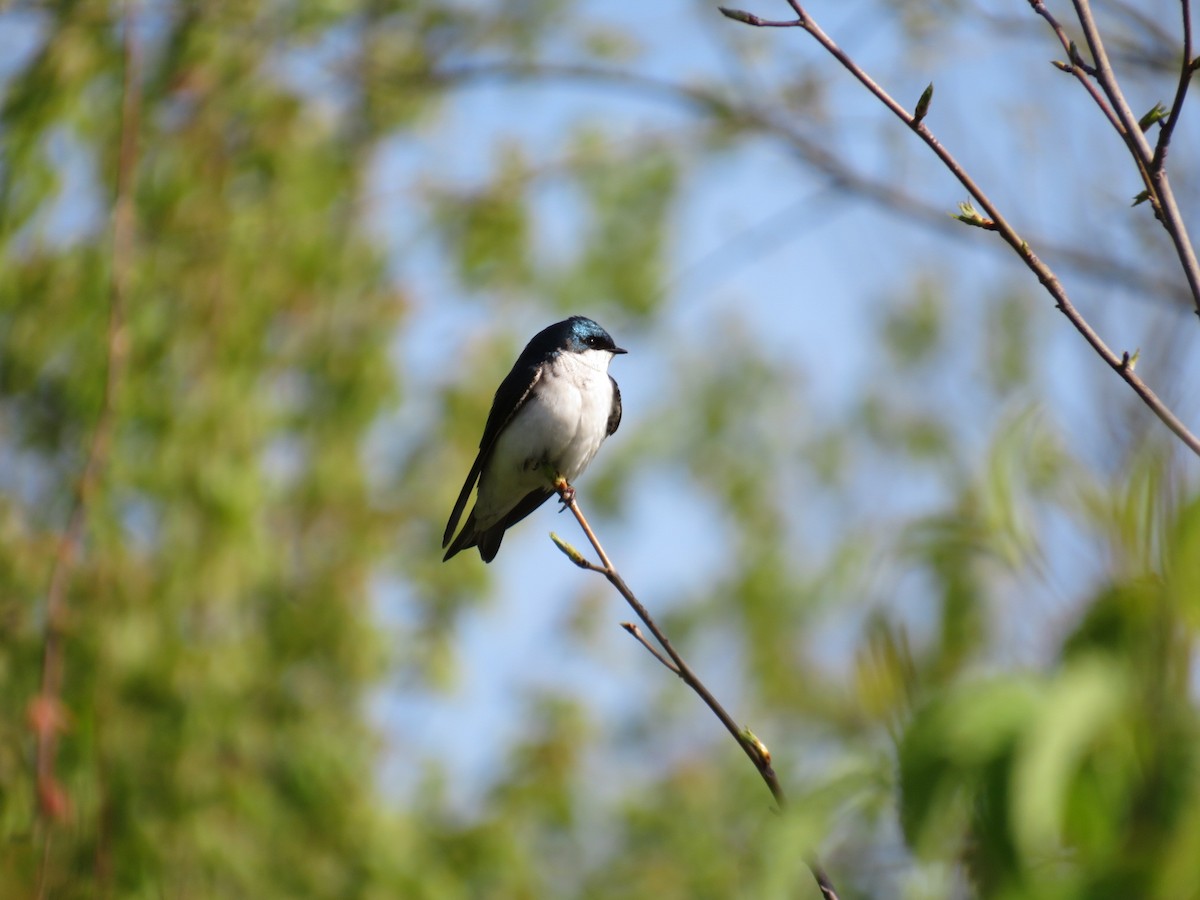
(617, 350)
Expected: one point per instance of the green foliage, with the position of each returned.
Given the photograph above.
(1076, 780)
(912, 332)
(216, 646)
(1008, 350)
(489, 229)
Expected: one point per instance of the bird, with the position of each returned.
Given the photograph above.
(550, 415)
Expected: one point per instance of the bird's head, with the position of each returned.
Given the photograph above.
(580, 334)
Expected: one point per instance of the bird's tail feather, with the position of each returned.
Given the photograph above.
(488, 540)
(461, 503)
(466, 538)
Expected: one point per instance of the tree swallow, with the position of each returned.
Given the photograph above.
(550, 416)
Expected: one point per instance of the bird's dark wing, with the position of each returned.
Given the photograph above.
(489, 541)
(614, 417)
(514, 391)
(528, 504)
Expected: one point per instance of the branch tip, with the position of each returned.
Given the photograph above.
(1076, 57)
(1157, 113)
(922, 105)
(570, 552)
(739, 15)
(637, 635)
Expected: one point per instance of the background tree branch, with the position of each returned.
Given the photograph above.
(1080, 260)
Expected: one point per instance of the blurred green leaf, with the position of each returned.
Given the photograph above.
(629, 196)
(912, 331)
(489, 228)
(951, 751)
(1010, 342)
(1078, 709)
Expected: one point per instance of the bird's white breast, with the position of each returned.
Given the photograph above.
(562, 426)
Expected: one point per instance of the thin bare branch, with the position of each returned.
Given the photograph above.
(632, 628)
(750, 19)
(751, 746)
(1186, 71)
(996, 221)
(1150, 164)
(574, 555)
(1133, 135)
(1077, 67)
(48, 716)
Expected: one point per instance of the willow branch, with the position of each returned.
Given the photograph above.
(993, 221)
(754, 749)
(47, 714)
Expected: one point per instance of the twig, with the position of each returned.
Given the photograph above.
(995, 221)
(1186, 71)
(1077, 67)
(1150, 162)
(1133, 135)
(47, 714)
(685, 672)
(632, 628)
(751, 745)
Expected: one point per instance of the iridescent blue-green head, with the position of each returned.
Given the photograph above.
(577, 334)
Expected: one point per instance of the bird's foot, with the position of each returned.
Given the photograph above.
(566, 493)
